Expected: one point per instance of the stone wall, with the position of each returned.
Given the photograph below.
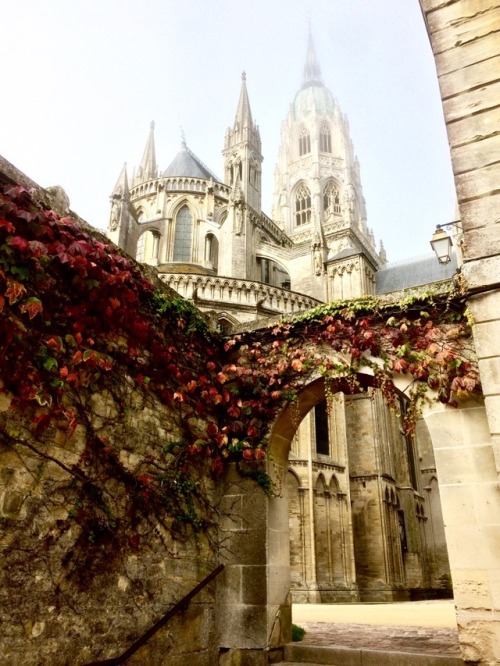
(66, 600)
(72, 592)
(464, 36)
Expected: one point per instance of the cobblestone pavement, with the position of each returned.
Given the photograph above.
(378, 637)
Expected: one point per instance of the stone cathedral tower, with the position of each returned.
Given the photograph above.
(318, 198)
(355, 486)
(242, 172)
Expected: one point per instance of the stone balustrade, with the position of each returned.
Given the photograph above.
(179, 183)
(238, 294)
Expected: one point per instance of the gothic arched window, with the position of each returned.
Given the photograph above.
(304, 142)
(302, 205)
(325, 139)
(147, 247)
(331, 198)
(183, 235)
(211, 251)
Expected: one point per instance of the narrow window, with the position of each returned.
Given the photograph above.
(304, 142)
(321, 427)
(325, 139)
(265, 271)
(331, 198)
(211, 251)
(147, 247)
(139, 255)
(302, 206)
(183, 235)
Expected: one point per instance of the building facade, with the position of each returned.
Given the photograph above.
(365, 518)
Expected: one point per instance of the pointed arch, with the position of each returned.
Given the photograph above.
(211, 251)
(147, 247)
(320, 484)
(331, 197)
(303, 205)
(325, 139)
(226, 322)
(304, 141)
(183, 235)
(334, 485)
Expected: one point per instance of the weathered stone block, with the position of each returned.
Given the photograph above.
(458, 506)
(466, 465)
(480, 213)
(244, 547)
(489, 369)
(478, 183)
(242, 626)
(474, 76)
(465, 54)
(471, 589)
(238, 657)
(482, 243)
(464, 27)
(278, 584)
(474, 145)
(486, 336)
(254, 585)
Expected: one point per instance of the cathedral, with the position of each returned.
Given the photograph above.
(364, 508)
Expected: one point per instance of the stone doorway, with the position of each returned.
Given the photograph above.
(254, 604)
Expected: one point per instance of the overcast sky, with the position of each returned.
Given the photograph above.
(81, 81)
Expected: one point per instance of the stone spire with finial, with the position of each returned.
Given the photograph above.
(243, 112)
(312, 70)
(148, 168)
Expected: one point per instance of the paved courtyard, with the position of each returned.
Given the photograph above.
(427, 627)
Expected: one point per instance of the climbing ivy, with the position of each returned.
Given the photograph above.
(78, 318)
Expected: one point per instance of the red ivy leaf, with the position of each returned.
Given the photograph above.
(212, 429)
(14, 291)
(32, 306)
(20, 243)
(8, 226)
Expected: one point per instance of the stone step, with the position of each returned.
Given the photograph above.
(295, 654)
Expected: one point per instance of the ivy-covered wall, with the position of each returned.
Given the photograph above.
(121, 411)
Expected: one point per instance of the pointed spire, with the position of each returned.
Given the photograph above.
(243, 113)
(120, 199)
(312, 70)
(148, 165)
(121, 189)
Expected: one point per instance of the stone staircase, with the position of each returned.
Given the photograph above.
(296, 654)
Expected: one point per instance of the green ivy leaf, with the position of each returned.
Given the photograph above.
(50, 363)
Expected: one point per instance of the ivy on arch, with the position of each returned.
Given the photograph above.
(78, 318)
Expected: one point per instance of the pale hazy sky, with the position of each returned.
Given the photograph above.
(81, 81)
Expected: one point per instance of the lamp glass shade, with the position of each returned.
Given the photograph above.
(441, 244)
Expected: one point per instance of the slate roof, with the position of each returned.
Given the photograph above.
(414, 273)
(185, 163)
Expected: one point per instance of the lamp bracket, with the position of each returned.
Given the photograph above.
(449, 225)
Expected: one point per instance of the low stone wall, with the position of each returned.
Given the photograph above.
(66, 598)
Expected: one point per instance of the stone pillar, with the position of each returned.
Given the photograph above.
(253, 600)
(465, 43)
(470, 500)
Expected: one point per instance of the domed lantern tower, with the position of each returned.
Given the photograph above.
(318, 198)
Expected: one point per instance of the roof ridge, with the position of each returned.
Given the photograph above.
(194, 156)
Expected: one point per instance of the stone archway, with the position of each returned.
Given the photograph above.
(254, 603)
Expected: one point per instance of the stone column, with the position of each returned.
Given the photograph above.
(470, 498)
(465, 43)
(253, 600)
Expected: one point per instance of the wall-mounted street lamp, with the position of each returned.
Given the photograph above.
(441, 243)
